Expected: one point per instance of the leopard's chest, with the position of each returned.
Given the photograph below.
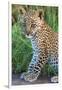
(34, 44)
(36, 50)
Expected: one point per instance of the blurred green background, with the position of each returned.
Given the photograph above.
(21, 46)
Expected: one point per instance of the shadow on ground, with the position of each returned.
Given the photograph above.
(17, 81)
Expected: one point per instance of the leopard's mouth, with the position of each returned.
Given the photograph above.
(29, 36)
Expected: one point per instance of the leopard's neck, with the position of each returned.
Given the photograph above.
(34, 44)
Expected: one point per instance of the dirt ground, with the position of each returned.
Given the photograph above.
(17, 81)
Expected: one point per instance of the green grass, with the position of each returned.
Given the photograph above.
(21, 50)
(21, 46)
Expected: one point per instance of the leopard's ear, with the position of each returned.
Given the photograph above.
(41, 14)
(22, 10)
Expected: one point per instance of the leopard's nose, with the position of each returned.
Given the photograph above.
(28, 34)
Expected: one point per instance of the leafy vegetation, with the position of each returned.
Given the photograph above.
(21, 50)
(21, 46)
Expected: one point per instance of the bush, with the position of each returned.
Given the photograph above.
(21, 50)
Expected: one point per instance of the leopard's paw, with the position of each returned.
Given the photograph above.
(22, 76)
(54, 79)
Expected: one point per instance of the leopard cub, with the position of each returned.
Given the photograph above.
(44, 43)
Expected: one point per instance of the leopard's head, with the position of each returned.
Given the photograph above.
(32, 22)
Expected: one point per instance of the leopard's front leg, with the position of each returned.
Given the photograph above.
(33, 69)
(38, 61)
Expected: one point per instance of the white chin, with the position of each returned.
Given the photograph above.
(28, 36)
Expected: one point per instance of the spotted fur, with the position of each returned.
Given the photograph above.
(44, 43)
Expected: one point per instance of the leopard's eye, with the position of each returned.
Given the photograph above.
(33, 25)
